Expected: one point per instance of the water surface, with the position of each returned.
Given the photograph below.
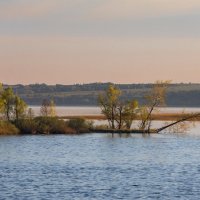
(97, 166)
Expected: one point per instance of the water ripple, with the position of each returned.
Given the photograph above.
(99, 167)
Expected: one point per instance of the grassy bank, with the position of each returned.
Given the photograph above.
(45, 125)
(158, 117)
(74, 124)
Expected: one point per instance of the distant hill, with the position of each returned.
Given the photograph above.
(179, 95)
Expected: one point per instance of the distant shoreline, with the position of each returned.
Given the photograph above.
(96, 106)
(178, 95)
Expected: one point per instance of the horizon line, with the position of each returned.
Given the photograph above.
(136, 83)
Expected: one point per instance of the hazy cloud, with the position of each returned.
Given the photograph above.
(86, 59)
(105, 40)
(23, 9)
(126, 9)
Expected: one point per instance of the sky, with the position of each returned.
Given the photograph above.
(84, 41)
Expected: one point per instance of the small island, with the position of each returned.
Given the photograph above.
(18, 119)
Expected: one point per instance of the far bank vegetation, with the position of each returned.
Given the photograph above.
(18, 118)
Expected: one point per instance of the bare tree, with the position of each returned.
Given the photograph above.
(30, 114)
(155, 98)
(44, 110)
(48, 108)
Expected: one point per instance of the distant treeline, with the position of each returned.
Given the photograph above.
(178, 95)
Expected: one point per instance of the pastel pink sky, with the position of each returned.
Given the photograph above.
(82, 41)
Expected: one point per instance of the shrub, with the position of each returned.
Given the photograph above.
(27, 126)
(52, 125)
(80, 125)
(45, 125)
(101, 127)
(6, 128)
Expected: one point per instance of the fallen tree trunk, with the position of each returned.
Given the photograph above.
(189, 117)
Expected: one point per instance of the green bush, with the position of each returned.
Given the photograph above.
(6, 128)
(80, 125)
(45, 125)
(52, 125)
(27, 126)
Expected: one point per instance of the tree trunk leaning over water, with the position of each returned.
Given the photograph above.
(189, 117)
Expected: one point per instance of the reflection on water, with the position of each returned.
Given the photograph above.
(97, 166)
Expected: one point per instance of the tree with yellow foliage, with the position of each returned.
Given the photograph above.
(119, 114)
